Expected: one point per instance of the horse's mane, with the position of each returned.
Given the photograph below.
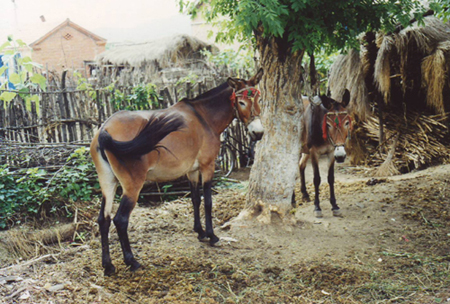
(209, 93)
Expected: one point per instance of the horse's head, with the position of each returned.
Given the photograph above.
(245, 100)
(337, 124)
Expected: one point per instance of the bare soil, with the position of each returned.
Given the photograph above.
(392, 245)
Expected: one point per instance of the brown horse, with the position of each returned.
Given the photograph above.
(326, 128)
(162, 145)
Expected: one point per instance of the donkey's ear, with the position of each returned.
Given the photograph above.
(257, 78)
(234, 83)
(345, 98)
(327, 102)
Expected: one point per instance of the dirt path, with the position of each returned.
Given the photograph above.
(391, 246)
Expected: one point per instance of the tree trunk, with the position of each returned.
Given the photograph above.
(274, 173)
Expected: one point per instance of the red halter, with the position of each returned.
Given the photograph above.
(337, 122)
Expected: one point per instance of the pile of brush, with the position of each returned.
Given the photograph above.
(411, 141)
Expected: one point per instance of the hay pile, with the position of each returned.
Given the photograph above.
(399, 86)
(412, 141)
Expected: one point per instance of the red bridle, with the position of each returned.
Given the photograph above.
(250, 92)
(337, 122)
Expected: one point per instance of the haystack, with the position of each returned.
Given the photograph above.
(400, 84)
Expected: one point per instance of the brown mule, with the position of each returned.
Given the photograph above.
(162, 145)
(326, 128)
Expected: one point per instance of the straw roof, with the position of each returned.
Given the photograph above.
(411, 74)
(166, 52)
(419, 56)
(347, 72)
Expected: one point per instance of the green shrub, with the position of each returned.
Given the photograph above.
(34, 191)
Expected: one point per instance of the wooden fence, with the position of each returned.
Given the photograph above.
(69, 117)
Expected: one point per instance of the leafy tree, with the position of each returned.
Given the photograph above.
(24, 78)
(282, 31)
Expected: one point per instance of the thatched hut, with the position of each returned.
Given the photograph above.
(174, 56)
(400, 87)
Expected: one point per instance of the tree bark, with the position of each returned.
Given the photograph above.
(274, 173)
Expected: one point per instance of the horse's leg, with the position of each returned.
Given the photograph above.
(131, 186)
(196, 202)
(108, 184)
(207, 183)
(302, 166)
(315, 164)
(334, 207)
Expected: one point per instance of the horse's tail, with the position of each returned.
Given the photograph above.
(158, 127)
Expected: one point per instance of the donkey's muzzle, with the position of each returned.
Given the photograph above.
(255, 129)
(340, 154)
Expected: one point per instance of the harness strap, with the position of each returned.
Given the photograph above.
(337, 122)
(250, 92)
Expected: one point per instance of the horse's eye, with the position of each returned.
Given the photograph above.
(242, 104)
(347, 123)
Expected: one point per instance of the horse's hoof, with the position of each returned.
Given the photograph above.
(214, 241)
(318, 213)
(109, 270)
(203, 238)
(135, 266)
(306, 198)
(337, 212)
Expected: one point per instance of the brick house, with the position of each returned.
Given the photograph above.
(67, 46)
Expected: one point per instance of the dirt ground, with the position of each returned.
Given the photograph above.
(392, 245)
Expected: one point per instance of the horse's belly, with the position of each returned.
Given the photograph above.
(161, 173)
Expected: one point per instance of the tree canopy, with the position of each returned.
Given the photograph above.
(305, 24)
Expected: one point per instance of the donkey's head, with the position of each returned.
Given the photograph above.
(245, 100)
(337, 124)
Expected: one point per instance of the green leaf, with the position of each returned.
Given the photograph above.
(40, 80)
(7, 96)
(3, 69)
(14, 78)
(5, 45)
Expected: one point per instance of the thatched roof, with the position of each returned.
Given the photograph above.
(348, 73)
(413, 62)
(402, 72)
(166, 52)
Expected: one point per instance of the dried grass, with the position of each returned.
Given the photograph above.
(382, 74)
(29, 243)
(164, 53)
(434, 76)
(347, 72)
(422, 140)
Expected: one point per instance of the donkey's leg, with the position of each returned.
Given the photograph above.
(315, 164)
(208, 210)
(121, 220)
(334, 206)
(302, 166)
(131, 184)
(108, 184)
(196, 202)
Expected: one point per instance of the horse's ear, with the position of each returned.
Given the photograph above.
(234, 83)
(345, 98)
(257, 78)
(327, 102)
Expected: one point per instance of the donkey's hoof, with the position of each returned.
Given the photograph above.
(203, 238)
(337, 212)
(135, 266)
(214, 241)
(318, 213)
(109, 270)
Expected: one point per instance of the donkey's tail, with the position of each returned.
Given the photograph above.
(158, 127)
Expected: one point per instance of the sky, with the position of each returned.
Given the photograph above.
(114, 20)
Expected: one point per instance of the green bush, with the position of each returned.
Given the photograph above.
(34, 191)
